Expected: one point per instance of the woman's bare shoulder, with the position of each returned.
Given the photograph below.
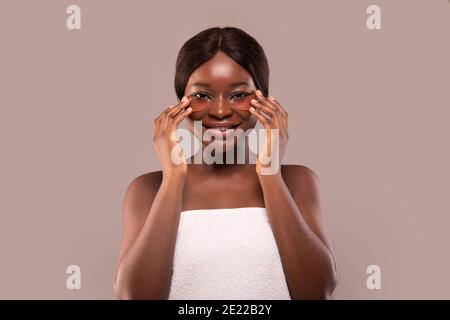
(298, 176)
(140, 194)
(296, 169)
(145, 183)
(149, 178)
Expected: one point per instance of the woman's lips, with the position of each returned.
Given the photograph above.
(228, 132)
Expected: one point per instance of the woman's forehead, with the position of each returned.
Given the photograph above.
(221, 66)
(220, 75)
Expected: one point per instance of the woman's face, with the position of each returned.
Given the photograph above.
(220, 91)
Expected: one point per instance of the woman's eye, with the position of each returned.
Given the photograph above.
(239, 95)
(200, 95)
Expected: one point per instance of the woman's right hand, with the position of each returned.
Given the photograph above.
(165, 139)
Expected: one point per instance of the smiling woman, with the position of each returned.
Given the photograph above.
(224, 230)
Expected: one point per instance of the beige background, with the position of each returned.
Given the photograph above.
(368, 112)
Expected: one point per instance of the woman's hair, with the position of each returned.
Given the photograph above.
(235, 43)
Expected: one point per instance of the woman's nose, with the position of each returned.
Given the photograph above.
(220, 108)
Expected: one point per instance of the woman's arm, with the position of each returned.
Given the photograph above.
(151, 213)
(299, 230)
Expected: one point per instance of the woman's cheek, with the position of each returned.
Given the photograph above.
(243, 104)
(198, 106)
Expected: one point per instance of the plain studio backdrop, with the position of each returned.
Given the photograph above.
(368, 112)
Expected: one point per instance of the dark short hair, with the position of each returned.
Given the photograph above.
(235, 43)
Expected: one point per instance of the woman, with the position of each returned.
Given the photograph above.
(202, 230)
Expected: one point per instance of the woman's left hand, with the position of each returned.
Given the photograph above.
(272, 115)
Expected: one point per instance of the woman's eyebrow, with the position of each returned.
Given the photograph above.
(201, 84)
(231, 85)
(238, 84)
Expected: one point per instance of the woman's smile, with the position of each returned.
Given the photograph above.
(225, 129)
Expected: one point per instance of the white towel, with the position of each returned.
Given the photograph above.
(227, 254)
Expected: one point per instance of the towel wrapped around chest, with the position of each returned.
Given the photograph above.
(229, 254)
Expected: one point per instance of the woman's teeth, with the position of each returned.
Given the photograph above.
(222, 128)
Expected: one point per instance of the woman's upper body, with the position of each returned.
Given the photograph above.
(237, 187)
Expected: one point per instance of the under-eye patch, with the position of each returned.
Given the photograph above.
(198, 104)
(243, 103)
(200, 101)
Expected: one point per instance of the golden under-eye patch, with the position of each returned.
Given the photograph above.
(199, 102)
(243, 103)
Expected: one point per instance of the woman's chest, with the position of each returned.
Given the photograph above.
(208, 193)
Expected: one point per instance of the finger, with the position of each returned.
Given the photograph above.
(285, 115)
(262, 99)
(185, 101)
(269, 113)
(174, 111)
(181, 116)
(265, 122)
(165, 122)
(282, 112)
(164, 118)
(263, 107)
(162, 122)
(278, 104)
(160, 116)
(277, 111)
(278, 120)
(272, 109)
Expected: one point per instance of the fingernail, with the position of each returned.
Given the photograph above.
(189, 109)
(254, 101)
(259, 92)
(185, 99)
(271, 98)
(252, 109)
